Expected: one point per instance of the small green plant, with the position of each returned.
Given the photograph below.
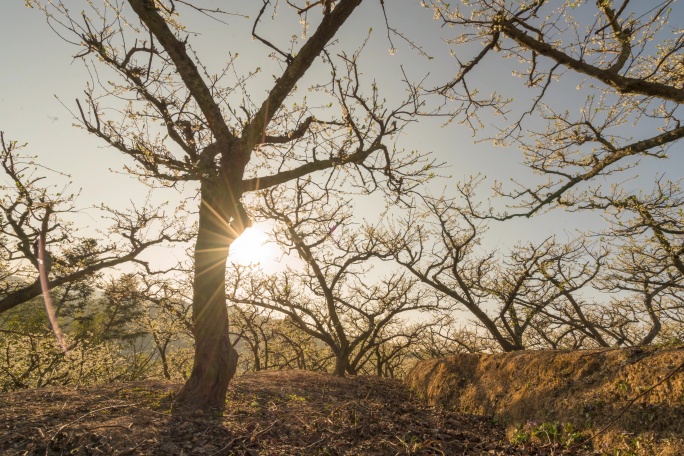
(295, 398)
(520, 436)
(548, 433)
(649, 412)
(571, 436)
(623, 387)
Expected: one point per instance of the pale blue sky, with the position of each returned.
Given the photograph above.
(37, 67)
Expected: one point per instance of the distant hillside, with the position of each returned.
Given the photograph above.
(568, 396)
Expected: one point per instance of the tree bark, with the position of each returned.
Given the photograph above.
(161, 348)
(341, 363)
(340, 367)
(215, 358)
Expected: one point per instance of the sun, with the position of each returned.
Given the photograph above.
(252, 247)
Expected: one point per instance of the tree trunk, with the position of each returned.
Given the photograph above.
(380, 364)
(341, 364)
(161, 348)
(215, 360)
(655, 326)
(257, 359)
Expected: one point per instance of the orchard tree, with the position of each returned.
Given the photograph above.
(267, 339)
(180, 123)
(620, 290)
(254, 329)
(164, 315)
(531, 296)
(596, 92)
(647, 273)
(449, 335)
(292, 348)
(396, 349)
(333, 296)
(103, 338)
(35, 229)
(623, 59)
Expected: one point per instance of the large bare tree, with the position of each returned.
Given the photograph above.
(180, 123)
(621, 286)
(533, 296)
(333, 295)
(594, 102)
(590, 71)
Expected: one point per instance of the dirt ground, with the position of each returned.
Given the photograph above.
(269, 413)
(629, 401)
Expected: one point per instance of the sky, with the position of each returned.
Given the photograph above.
(40, 80)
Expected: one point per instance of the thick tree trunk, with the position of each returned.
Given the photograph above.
(215, 358)
(341, 364)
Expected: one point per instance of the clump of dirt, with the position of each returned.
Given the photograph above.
(603, 395)
(269, 413)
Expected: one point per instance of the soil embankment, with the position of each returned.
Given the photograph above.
(568, 396)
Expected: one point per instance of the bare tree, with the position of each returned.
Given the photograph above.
(254, 331)
(396, 350)
(630, 56)
(105, 341)
(530, 297)
(449, 335)
(438, 245)
(35, 214)
(622, 63)
(180, 123)
(165, 316)
(647, 270)
(333, 296)
(292, 348)
(267, 339)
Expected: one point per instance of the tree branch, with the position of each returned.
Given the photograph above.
(149, 15)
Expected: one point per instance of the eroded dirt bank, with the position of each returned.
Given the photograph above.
(568, 396)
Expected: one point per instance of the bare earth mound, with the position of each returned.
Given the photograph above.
(568, 396)
(270, 413)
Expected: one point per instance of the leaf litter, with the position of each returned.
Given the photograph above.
(267, 414)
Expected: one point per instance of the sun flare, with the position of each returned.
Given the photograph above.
(252, 247)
